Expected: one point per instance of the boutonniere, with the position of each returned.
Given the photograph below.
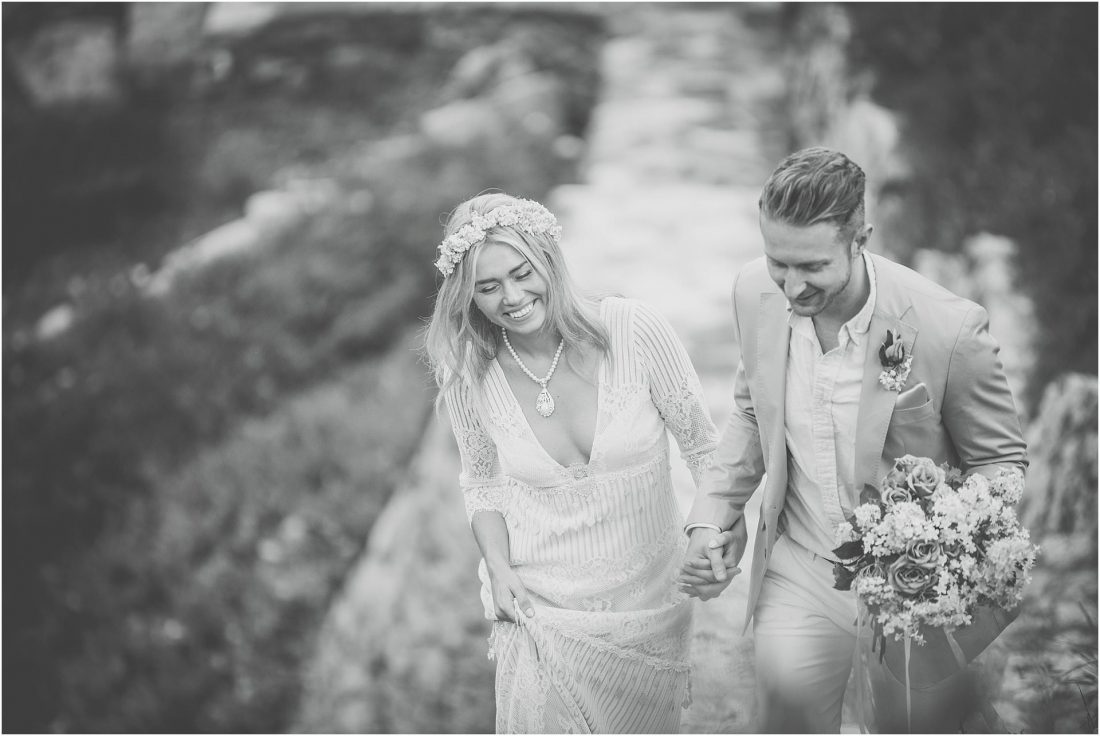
(896, 361)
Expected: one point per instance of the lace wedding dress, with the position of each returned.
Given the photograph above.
(597, 545)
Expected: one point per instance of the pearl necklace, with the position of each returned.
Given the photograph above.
(544, 404)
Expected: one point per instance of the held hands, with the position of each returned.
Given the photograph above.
(711, 560)
(509, 594)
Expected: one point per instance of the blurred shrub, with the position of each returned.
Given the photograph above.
(1051, 663)
(160, 581)
(93, 419)
(563, 41)
(998, 104)
(241, 550)
(76, 176)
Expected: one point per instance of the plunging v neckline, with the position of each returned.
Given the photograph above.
(600, 377)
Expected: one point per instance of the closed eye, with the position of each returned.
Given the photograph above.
(811, 267)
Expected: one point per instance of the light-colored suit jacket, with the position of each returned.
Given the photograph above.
(956, 406)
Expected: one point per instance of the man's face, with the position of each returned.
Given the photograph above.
(812, 265)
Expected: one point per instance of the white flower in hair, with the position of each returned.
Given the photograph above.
(525, 215)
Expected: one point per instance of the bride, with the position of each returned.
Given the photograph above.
(559, 405)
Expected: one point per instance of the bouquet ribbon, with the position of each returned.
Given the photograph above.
(865, 694)
(908, 690)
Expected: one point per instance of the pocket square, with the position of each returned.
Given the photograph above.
(914, 397)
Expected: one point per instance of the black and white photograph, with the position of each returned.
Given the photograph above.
(550, 367)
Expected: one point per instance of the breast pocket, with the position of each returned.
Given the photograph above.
(916, 431)
(924, 412)
(913, 405)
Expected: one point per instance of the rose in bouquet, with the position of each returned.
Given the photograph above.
(933, 547)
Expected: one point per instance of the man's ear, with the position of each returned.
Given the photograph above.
(862, 237)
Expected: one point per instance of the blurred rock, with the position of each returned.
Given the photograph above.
(482, 68)
(230, 239)
(461, 124)
(314, 194)
(397, 652)
(949, 270)
(569, 147)
(817, 72)
(535, 101)
(271, 211)
(267, 214)
(1062, 478)
(238, 18)
(55, 322)
(994, 256)
(387, 154)
(162, 37)
(993, 271)
(985, 272)
(70, 60)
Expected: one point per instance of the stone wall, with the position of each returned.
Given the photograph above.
(1060, 505)
(403, 649)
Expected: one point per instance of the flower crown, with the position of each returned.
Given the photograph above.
(530, 217)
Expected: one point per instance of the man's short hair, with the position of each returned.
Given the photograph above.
(816, 185)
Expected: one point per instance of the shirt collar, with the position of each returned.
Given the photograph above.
(854, 329)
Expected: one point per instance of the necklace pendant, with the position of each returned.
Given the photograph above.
(544, 404)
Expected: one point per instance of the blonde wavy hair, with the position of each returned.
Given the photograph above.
(460, 342)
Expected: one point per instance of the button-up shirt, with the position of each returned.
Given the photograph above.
(822, 405)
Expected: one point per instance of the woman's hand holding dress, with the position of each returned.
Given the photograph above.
(509, 593)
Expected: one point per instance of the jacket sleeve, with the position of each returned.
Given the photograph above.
(738, 464)
(978, 410)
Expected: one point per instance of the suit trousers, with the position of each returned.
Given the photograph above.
(806, 643)
(805, 634)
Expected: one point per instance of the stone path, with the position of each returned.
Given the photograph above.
(666, 213)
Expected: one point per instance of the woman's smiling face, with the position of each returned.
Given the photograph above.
(508, 291)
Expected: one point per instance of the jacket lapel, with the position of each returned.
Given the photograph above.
(772, 342)
(876, 401)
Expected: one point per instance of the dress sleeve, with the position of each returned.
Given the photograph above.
(675, 389)
(484, 486)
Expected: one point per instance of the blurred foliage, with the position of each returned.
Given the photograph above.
(1046, 661)
(102, 168)
(96, 420)
(187, 478)
(998, 107)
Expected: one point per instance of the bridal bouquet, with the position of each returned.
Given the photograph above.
(934, 546)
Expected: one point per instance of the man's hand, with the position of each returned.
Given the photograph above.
(711, 561)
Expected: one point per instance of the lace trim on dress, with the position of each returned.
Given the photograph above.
(485, 498)
(634, 629)
(480, 453)
(686, 417)
(575, 504)
(618, 397)
(643, 564)
(700, 461)
(583, 486)
(698, 464)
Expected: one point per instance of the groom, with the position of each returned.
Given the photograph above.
(812, 416)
